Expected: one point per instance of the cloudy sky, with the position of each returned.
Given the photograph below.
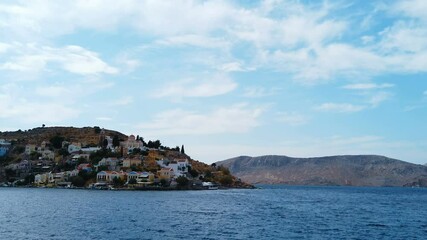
(224, 78)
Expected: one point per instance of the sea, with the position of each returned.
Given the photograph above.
(269, 212)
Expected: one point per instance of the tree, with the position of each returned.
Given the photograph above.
(105, 143)
(64, 152)
(193, 172)
(182, 149)
(132, 181)
(182, 181)
(116, 141)
(78, 181)
(43, 125)
(156, 144)
(57, 141)
(213, 164)
(97, 129)
(163, 182)
(226, 180)
(117, 181)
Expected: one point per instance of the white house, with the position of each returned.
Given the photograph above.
(90, 149)
(74, 147)
(179, 166)
(44, 178)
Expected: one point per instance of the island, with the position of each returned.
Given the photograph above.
(97, 158)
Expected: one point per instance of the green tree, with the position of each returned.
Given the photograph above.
(154, 144)
(182, 149)
(64, 152)
(116, 141)
(226, 180)
(57, 141)
(78, 181)
(117, 182)
(18, 149)
(182, 181)
(163, 182)
(97, 129)
(105, 143)
(132, 181)
(193, 172)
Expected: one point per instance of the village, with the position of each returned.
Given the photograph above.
(113, 164)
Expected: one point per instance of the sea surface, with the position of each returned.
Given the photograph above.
(272, 212)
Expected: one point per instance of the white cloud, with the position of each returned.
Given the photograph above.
(52, 91)
(74, 59)
(340, 107)
(195, 41)
(378, 98)
(256, 92)
(368, 86)
(25, 110)
(205, 87)
(238, 118)
(4, 47)
(233, 67)
(292, 118)
(411, 8)
(124, 101)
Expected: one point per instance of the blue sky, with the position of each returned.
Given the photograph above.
(224, 78)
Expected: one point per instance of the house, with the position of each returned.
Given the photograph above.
(44, 178)
(44, 145)
(131, 143)
(145, 177)
(4, 147)
(74, 147)
(179, 166)
(141, 177)
(113, 164)
(166, 173)
(89, 150)
(47, 154)
(75, 158)
(59, 177)
(108, 176)
(29, 148)
(128, 162)
(85, 167)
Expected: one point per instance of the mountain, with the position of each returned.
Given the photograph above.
(352, 170)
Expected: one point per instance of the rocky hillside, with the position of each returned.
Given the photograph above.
(360, 170)
(86, 135)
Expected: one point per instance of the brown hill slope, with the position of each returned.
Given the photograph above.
(359, 170)
(85, 135)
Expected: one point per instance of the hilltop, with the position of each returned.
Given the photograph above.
(85, 135)
(351, 170)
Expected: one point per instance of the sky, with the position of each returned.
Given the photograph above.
(224, 78)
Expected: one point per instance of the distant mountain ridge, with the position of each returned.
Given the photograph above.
(351, 170)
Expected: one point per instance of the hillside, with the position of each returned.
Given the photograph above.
(59, 159)
(85, 135)
(358, 170)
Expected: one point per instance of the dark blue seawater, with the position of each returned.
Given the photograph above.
(273, 212)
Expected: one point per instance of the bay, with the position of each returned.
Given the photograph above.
(272, 212)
